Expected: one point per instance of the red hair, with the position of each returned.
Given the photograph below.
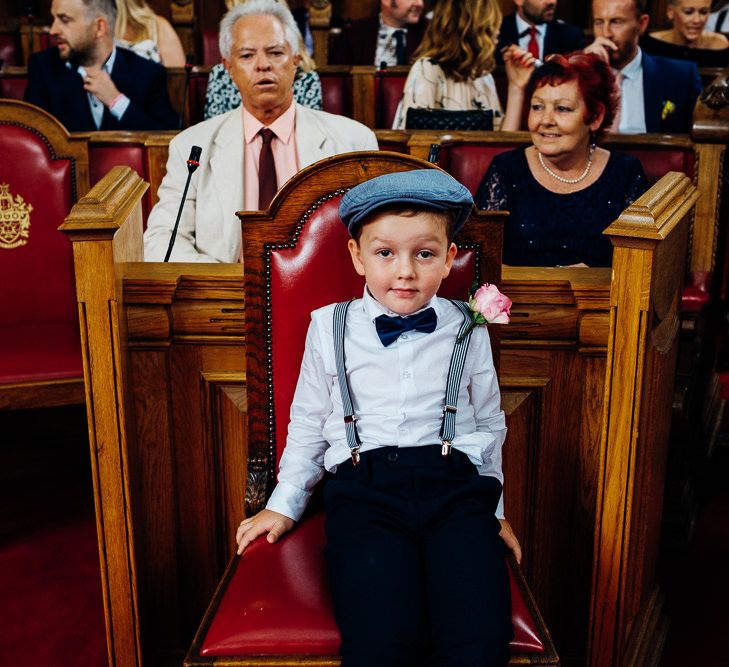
(595, 82)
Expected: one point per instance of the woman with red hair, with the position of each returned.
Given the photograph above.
(563, 190)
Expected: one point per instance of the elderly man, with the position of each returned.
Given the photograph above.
(534, 28)
(249, 152)
(657, 94)
(88, 83)
(391, 37)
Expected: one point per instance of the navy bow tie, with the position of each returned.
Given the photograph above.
(390, 328)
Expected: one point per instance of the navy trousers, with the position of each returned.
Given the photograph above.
(416, 565)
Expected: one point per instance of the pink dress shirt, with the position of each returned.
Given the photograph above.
(283, 147)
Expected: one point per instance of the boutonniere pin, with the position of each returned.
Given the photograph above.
(488, 306)
(668, 108)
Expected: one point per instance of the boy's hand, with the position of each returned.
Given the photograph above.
(266, 521)
(507, 534)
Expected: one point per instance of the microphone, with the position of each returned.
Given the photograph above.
(189, 62)
(193, 162)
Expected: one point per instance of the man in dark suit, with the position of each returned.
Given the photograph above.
(391, 37)
(657, 94)
(90, 84)
(534, 28)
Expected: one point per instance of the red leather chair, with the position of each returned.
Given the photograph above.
(13, 82)
(272, 606)
(210, 48)
(44, 171)
(336, 89)
(10, 50)
(389, 84)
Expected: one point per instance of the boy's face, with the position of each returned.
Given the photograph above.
(403, 259)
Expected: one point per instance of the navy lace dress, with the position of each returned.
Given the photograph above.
(549, 229)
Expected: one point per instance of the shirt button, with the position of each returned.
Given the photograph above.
(406, 374)
(392, 456)
(404, 336)
(403, 431)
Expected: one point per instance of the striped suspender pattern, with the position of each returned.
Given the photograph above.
(350, 419)
(455, 372)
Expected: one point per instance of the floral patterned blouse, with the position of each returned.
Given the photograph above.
(428, 87)
(222, 94)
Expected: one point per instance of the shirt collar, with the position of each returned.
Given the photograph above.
(387, 29)
(634, 68)
(374, 308)
(283, 127)
(107, 66)
(522, 26)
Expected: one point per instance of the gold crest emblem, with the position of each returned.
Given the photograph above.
(14, 219)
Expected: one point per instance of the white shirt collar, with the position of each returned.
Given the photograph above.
(634, 68)
(107, 66)
(522, 25)
(374, 308)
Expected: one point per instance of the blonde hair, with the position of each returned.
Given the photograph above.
(461, 37)
(136, 19)
(307, 63)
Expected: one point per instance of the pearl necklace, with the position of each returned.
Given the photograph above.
(562, 179)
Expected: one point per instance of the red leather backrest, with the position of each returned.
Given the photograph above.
(210, 48)
(37, 276)
(13, 87)
(468, 163)
(336, 89)
(318, 271)
(388, 91)
(102, 157)
(10, 48)
(659, 160)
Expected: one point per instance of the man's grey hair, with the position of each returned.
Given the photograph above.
(256, 8)
(105, 8)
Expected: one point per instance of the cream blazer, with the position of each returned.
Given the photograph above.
(209, 230)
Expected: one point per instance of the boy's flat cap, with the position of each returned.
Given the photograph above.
(431, 188)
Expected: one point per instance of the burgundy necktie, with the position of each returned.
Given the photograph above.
(267, 182)
(533, 45)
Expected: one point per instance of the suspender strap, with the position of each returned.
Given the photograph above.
(455, 372)
(350, 419)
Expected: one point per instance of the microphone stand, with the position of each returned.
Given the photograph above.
(193, 162)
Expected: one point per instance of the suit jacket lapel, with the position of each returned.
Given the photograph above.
(311, 139)
(550, 39)
(226, 164)
(651, 95)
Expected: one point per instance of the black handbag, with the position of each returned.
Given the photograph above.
(453, 121)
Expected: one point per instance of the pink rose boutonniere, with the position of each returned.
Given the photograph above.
(488, 306)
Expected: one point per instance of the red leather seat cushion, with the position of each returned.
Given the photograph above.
(39, 352)
(278, 603)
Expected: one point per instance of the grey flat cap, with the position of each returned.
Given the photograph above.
(431, 188)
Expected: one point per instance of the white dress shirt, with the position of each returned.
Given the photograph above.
(96, 105)
(386, 50)
(524, 39)
(398, 395)
(632, 105)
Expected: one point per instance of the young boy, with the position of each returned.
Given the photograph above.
(415, 557)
